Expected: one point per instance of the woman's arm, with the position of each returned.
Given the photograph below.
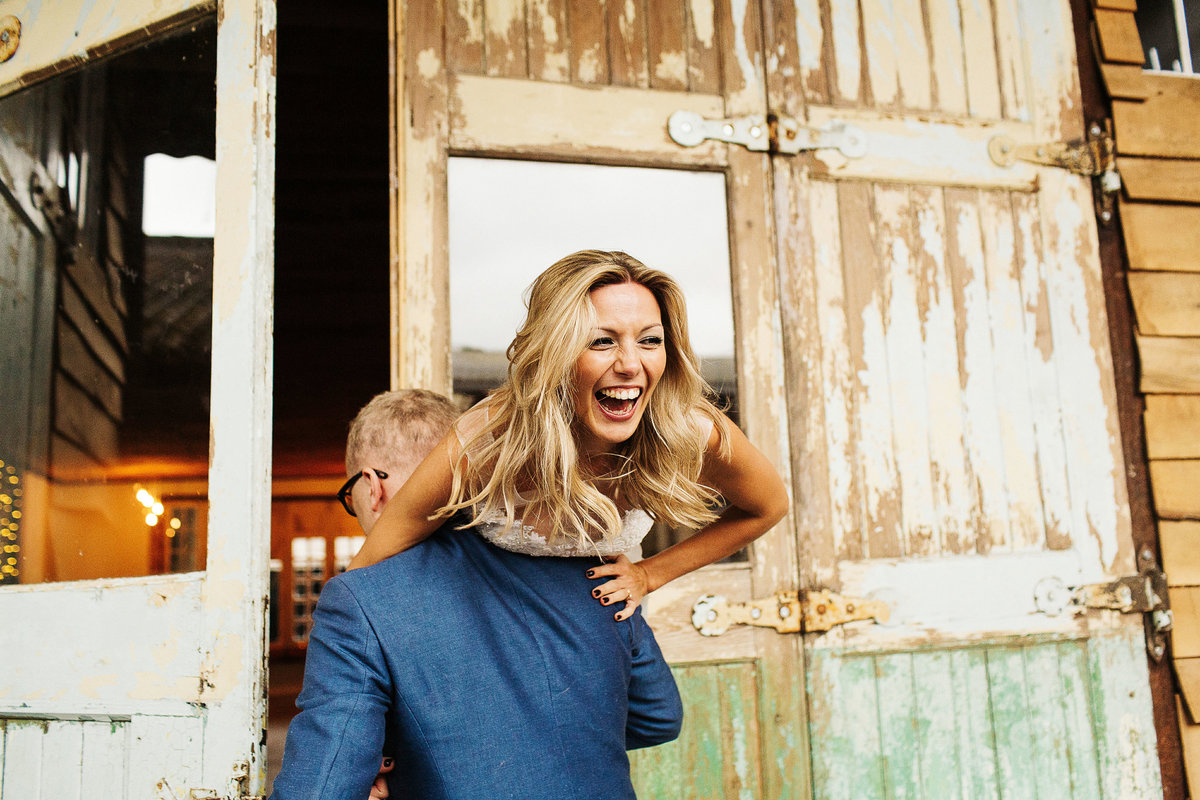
(756, 498)
(406, 519)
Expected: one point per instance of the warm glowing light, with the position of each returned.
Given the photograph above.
(170, 533)
(175, 523)
(157, 509)
(145, 498)
(151, 520)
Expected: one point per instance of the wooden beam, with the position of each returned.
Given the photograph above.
(1180, 542)
(1160, 179)
(1172, 426)
(1162, 237)
(1185, 636)
(1125, 81)
(1169, 364)
(1174, 486)
(1119, 5)
(1166, 303)
(1119, 39)
(1188, 727)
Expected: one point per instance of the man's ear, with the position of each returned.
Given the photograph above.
(378, 496)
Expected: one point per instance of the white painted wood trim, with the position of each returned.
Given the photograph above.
(97, 30)
(236, 581)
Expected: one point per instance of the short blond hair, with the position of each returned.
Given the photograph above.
(397, 429)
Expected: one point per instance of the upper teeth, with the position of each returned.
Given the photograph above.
(621, 394)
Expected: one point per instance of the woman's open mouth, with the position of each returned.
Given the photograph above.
(618, 404)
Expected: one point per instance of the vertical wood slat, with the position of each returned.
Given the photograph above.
(1013, 402)
(912, 55)
(847, 764)
(979, 51)
(1011, 58)
(946, 55)
(895, 242)
(464, 37)
(973, 718)
(62, 757)
(951, 488)
(1010, 719)
(1049, 729)
(898, 720)
(740, 746)
(1043, 376)
(981, 434)
(103, 769)
(704, 64)
(868, 356)
(23, 762)
(588, 41)
(546, 37)
(847, 57)
(504, 38)
(936, 729)
(1121, 714)
(1075, 696)
(627, 43)
(881, 61)
(667, 45)
(810, 21)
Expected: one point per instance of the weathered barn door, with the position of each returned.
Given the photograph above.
(135, 687)
(580, 81)
(951, 407)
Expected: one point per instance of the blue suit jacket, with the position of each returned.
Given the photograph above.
(494, 675)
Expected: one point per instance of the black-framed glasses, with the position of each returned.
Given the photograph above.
(343, 494)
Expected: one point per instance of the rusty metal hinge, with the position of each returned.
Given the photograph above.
(767, 134)
(240, 785)
(1144, 593)
(1094, 156)
(786, 612)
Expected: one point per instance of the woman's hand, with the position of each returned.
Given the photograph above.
(629, 583)
(379, 789)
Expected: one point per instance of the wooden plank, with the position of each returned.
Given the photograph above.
(1180, 542)
(1075, 697)
(1187, 673)
(977, 748)
(1172, 423)
(62, 761)
(23, 757)
(1173, 484)
(898, 718)
(952, 500)
(1119, 5)
(839, 381)
(936, 731)
(979, 51)
(847, 78)
(1013, 720)
(1185, 635)
(909, 392)
(504, 40)
(912, 55)
(1043, 374)
(1012, 60)
(587, 47)
(575, 123)
(879, 49)
(1013, 396)
(846, 748)
(1118, 35)
(103, 770)
(1175, 180)
(73, 309)
(667, 45)
(75, 359)
(806, 379)
(701, 735)
(966, 264)
(1190, 733)
(740, 745)
(87, 276)
(949, 77)
(1050, 733)
(803, 26)
(627, 44)
(1159, 126)
(1169, 364)
(546, 37)
(1166, 303)
(1161, 237)
(704, 63)
(1125, 81)
(868, 356)
(464, 36)
(1124, 723)
(77, 416)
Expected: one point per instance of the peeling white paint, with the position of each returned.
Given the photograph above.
(703, 19)
(428, 63)
(671, 67)
(846, 50)
(809, 35)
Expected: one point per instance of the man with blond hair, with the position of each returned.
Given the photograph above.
(489, 674)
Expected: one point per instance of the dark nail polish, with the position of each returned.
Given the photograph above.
(596, 593)
(591, 573)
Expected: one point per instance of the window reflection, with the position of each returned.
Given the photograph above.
(105, 358)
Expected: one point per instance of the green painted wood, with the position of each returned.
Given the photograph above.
(1034, 719)
(718, 753)
(898, 725)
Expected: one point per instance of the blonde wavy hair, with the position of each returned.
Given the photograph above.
(526, 453)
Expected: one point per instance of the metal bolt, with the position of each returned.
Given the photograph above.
(821, 609)
(1147, 554)
(755, 132)
(728, 129)
(849, 608)
(1106, 216)
(1094, 130)
(784, 612)
(712, 616)
(755, 613)
(1005, 147)
(4, 37)
(687, 127)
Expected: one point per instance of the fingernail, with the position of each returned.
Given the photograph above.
(591, 573)
(604, 601)
(387, 762)
(595, 593)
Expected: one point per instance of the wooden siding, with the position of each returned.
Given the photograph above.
(1154, 116)
(1038, 719)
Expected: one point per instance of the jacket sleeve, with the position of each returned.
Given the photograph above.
(335, 743)
(655, 710)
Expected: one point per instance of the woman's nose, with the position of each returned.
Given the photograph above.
(626, 362)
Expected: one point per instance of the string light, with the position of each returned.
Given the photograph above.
(10, 528)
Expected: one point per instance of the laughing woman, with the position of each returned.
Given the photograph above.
(603, 426)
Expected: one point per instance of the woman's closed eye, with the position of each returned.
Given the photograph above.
(651, 341)
(601, 342)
